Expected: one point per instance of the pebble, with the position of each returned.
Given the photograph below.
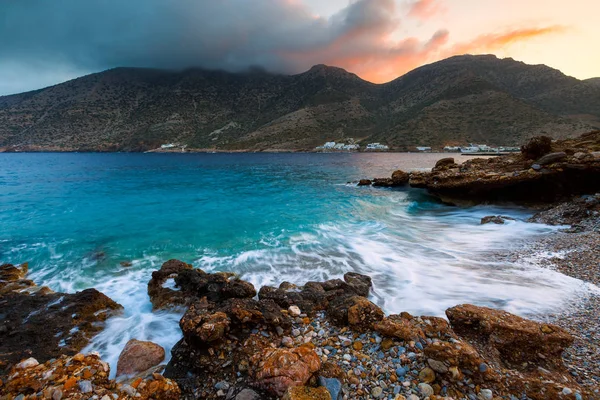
(425, 389)
(486, 394)
(85, 386)
(294, 311)
(566, 391)
(30, 362)
(287, 341)
(437, 366)
(57, 394)
(400, 371)
(347, 357)
(295, 332)
(223, 385)
(128, 389)
(483, 367)
(333, 385)
(376, 392)
(427, 375)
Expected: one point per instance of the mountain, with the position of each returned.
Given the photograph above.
(458, 100)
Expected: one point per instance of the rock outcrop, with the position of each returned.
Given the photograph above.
(139, 356)
(35, 321)
(544, 172)
(191, 284)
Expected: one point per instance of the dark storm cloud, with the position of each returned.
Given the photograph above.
(230, 34)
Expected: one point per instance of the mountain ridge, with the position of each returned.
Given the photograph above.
(457, 100)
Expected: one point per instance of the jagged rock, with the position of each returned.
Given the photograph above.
(194, 284)
(364, 182)
(207, 322)
(37, 321)
(354, 311)
(138, 356)
(515, 340)
(399, 178)
(496, 219)
(583, 210)
(275, 370)
(537, 147)
(315, 296)
(306, 393)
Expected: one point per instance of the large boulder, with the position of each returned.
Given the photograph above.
(444, 163)
(191, 284)
(276, 370)
(138, 356)
(406, 327)
(514, 339)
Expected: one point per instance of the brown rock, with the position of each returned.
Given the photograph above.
(275, 370)
(400, 178)
(354, 311)
(364, 182)
(444, 163)
(515, 339)
(138, 356)
(495, 219)
(306, 393)
(537, 147)
(399, 327)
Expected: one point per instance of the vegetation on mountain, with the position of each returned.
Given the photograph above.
(455, 101)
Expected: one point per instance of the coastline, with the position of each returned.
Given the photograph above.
(234, 344)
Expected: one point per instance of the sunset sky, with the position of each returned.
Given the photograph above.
(47, 42)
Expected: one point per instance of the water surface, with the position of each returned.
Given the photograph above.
(268, 217)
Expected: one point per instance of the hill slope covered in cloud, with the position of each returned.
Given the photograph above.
(455, 101)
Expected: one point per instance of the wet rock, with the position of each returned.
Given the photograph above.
(43, 323)
(354, 311)
(315, 296)
(193, 284)
(551, 158)
(30, 362)
(306, 393)
(138, 356)
(516, 340)
(400, 178)
(275, 370)
(399, 327)
(495, 219)
(537, 147)
(364, 182)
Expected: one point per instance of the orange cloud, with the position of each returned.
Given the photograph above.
(497, 41)
(424, 9)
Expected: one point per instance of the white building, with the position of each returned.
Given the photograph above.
(167, 146)
(424, 148)
(377, 146)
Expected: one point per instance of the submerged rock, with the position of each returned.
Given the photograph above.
(138, 356)
(495, 219)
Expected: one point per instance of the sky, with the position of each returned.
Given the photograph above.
(45, 42)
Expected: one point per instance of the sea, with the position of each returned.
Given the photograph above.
(75, 217)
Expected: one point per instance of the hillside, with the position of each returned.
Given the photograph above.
(457, 100)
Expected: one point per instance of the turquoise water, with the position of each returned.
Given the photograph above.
(268, 217)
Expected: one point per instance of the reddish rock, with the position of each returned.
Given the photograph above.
(306, 393)
(444, 163)
(275, 370)
(364, 182)
(515, 340)
(138, 356)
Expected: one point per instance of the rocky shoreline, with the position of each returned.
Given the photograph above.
(327, 340)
